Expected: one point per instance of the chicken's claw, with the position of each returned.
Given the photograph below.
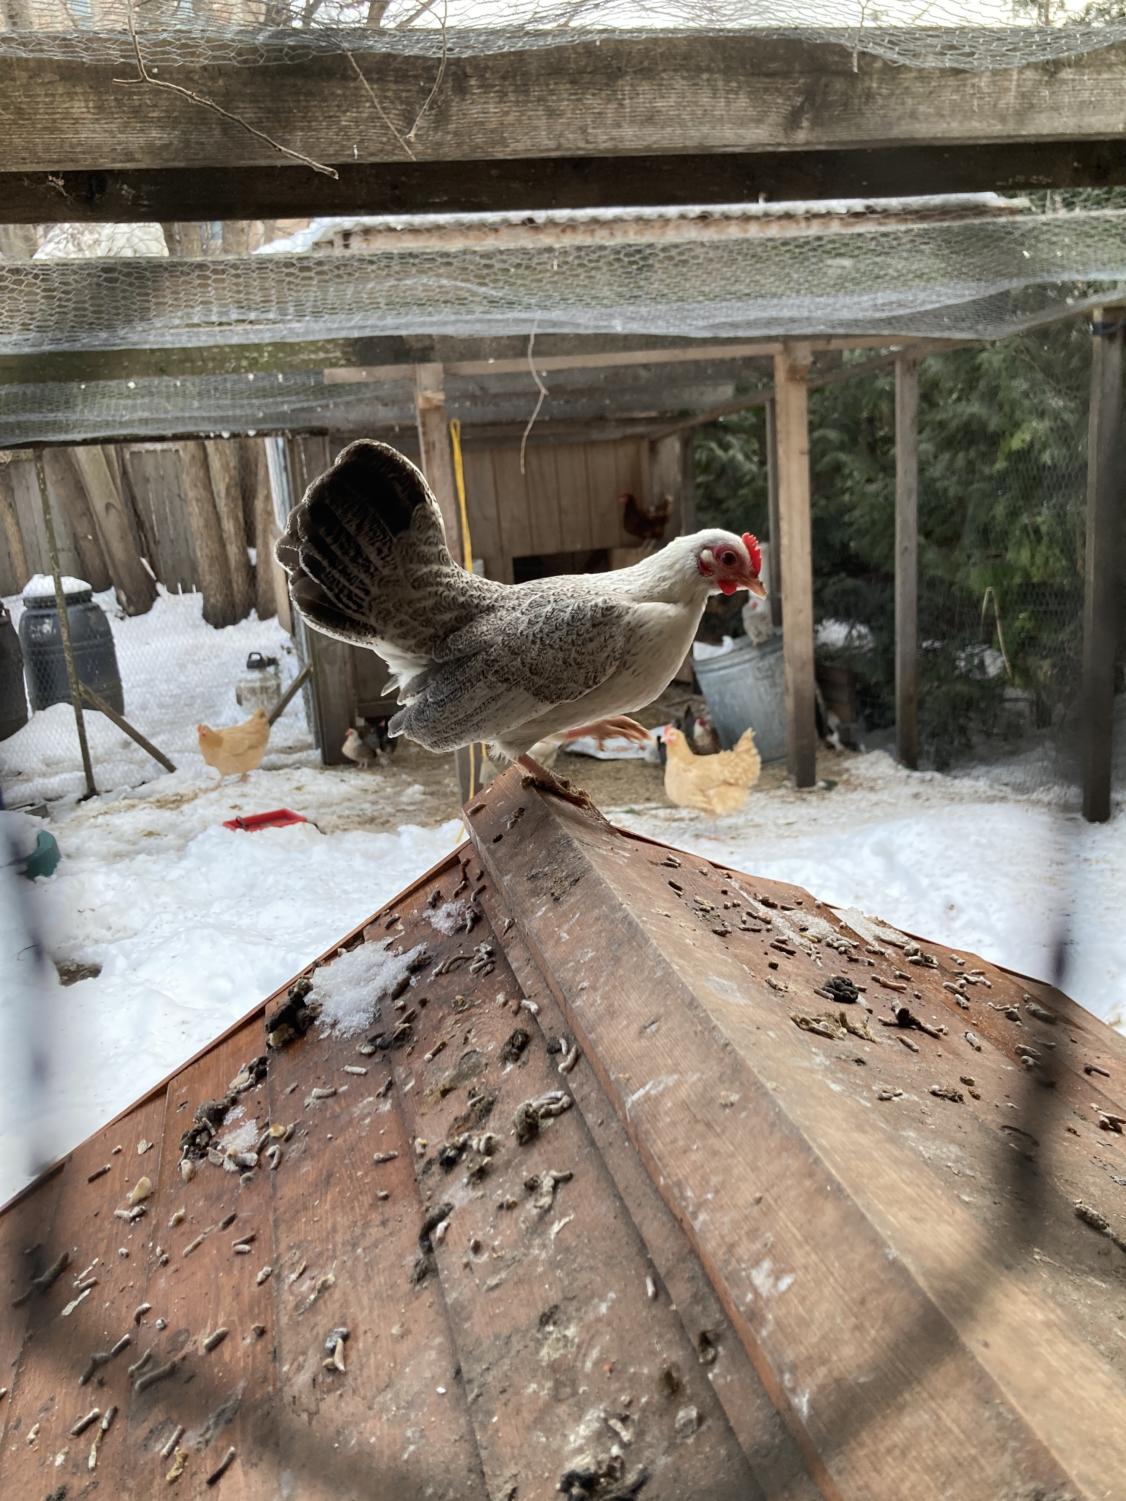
(536, 775)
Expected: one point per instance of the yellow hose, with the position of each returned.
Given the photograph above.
(475, 751)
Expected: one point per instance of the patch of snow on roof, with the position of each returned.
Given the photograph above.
(319, 230)
(350, 986)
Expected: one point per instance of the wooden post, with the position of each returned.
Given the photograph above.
(907, 561)
(688, 519)
(438, 467)
(64, 626)
(791, 393)
(1106, 457)
(132, 581)
(434, 446)
(774, 552)
(96, 701)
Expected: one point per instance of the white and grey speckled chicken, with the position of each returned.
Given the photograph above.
(478, 660)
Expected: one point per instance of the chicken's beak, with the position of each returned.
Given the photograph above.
(757, 587)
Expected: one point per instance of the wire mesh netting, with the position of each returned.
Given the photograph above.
(962, 267)
(951, 33)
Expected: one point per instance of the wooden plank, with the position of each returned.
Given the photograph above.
(1106, 500)
(688, 93)
(666, 475)
(481, 503)
(13, 532)
(222, 465)
(512, 502)
(774, 533)
(49, 1391)
(575, 521)
(26, 1251)
(132, 581)
(603, 490)
(397, 1422)
(219, 607)
(223, 1396)
(72, 508)
(541, 485)
(795, 531)
(907, 561)
(273, 191)
(791, 1180)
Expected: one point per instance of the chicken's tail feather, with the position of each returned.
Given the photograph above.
(342, 547)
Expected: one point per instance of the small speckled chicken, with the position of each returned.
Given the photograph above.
(478, 660)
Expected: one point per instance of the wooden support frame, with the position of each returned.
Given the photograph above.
(791, 373)
(774, 528)
(907, 560)
(438, 467)
(1106, 495)
(272, 191)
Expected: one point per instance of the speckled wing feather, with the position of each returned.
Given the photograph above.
(536, 647)
(367, 559)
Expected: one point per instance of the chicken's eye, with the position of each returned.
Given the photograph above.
(728, 559)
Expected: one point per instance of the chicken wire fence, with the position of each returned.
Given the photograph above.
(968, 34)
(1001, 574)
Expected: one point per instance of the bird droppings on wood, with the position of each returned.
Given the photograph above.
(215, 1339)
(1098, 1221)
(947, 1092)
(79, 1427)
(222, 1467)
(179, 1461)
(103, 1357)
(150, 1378)
(1108, 1120)
(514, 1046)
(688, 1421)
(381, 1157)
(885, 1092)
(45, 1281)
(839, 988)
(569, 1059)
(103, 1428)
(1040, 1013)
(320, 1287)
(543, 1186)
(264, 1274)
(173, 1439)
(294, 1016)
(99, 1172)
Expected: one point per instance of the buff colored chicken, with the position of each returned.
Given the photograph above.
(712, 784)
(239, 748)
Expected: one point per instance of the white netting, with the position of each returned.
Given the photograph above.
(972, 34)
(975, 277)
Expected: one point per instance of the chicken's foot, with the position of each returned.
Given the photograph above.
(618, 726)
(536, 775)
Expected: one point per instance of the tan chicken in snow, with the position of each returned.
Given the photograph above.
(712, 784)
(238, 748)
(477, 660)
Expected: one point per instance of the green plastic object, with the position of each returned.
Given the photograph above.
(44, 858)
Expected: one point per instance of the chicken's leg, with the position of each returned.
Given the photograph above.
(536, 775)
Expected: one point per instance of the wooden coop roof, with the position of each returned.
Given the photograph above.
(618, 1193)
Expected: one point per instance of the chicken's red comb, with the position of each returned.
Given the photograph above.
(750, 542)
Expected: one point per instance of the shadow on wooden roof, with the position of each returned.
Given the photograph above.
(637, 1177)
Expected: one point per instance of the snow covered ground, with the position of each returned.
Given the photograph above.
(192, 924)
(176, 672)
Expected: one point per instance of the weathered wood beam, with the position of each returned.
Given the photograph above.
(272, 191)
(907, 560)
(1106, 496)
(791, 371)
(691, 92)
